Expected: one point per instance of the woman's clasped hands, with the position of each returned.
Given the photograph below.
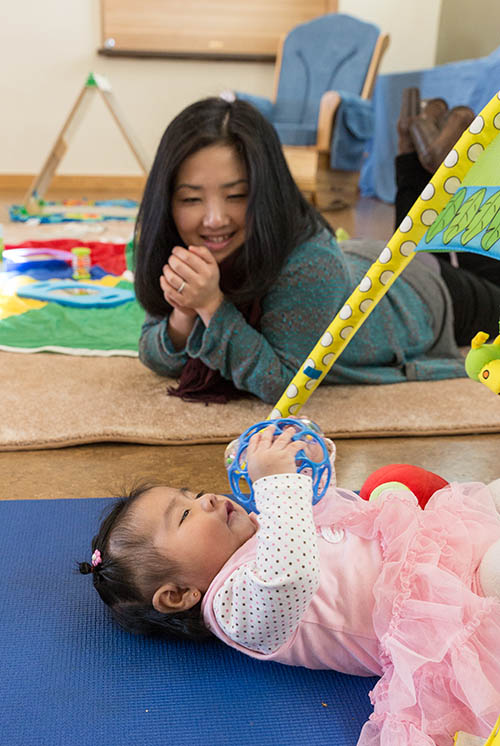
(190, 282)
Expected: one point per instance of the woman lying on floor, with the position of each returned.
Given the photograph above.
(240, 276)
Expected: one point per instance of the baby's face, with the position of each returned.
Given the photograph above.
(200, 531)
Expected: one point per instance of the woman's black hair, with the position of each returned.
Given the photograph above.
(129, 572)
(278, 217)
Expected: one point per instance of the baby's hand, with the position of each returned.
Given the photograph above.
(267, 454)
(312, 448)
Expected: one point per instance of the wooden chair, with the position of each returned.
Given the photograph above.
(324, 77)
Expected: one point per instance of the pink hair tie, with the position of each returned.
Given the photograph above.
(96, 558)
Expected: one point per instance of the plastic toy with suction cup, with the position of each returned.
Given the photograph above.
(321, 471)
(483, 361)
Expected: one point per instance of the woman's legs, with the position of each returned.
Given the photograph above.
(476, 302)
(411, 178)
(483, 266)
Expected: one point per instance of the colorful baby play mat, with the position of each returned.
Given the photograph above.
(71, 210)
(79, 320)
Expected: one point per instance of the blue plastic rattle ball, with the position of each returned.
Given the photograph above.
(236, 460)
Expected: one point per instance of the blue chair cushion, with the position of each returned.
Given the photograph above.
(332, 52)
(264, 105)
(296, 134)
(329, 53)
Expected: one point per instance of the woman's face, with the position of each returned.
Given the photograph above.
(210, 200)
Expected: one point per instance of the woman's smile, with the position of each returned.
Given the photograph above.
(217, 242)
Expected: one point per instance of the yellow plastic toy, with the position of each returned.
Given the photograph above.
(483, 361)
(494, 739)
(81, 263)
(466, 739)
(466, 215)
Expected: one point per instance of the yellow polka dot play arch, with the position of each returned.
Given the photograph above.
(393, 259)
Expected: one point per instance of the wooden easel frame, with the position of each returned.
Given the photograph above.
(94, 84)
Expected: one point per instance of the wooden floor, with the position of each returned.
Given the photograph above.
(104, 469)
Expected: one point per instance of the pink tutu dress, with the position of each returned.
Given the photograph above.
(399, 596)
(439, 637)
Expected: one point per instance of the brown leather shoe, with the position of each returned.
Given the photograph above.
(410, 108)
(434, 109)
(436, 130)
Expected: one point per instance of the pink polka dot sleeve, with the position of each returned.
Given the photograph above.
(261, 603)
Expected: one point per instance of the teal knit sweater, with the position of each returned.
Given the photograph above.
(404, 338)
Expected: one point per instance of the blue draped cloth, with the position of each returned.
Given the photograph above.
(471, 83)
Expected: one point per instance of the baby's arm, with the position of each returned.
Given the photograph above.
(262, 602)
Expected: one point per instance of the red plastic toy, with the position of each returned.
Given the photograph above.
(421, 482)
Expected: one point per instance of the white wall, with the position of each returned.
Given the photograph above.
(412, 24)
(467, 30)
(47, 48)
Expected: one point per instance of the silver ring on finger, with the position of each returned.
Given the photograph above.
(181, 287)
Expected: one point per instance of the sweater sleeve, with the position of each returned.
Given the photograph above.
(310, 289)
(156, 350)
(260, 605)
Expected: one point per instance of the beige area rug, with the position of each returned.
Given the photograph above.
(51, 401)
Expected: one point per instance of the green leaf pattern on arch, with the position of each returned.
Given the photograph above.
(446, 215)
(492, 235)
(487, 213)
(467, 214)
(463, 216)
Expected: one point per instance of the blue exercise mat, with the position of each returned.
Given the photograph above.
(70, 677)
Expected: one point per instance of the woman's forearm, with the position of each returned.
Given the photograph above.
(179, 327)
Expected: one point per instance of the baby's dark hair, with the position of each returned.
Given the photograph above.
(127, 569)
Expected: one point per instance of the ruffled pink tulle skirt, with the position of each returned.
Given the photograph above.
(439, 637)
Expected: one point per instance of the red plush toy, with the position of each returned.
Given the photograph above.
(421, 482)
